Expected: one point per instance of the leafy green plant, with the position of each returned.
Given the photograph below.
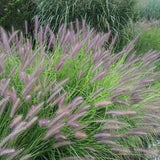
(77, 101)
(103, 15)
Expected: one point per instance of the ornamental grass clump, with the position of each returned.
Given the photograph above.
(66, 97)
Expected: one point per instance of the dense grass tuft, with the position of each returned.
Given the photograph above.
(103, 15)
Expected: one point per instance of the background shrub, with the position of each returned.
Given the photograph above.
(15, 12)
(100, 14)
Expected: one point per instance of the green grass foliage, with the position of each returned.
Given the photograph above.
(100, 14)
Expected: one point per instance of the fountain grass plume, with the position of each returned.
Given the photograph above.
(65, 97)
